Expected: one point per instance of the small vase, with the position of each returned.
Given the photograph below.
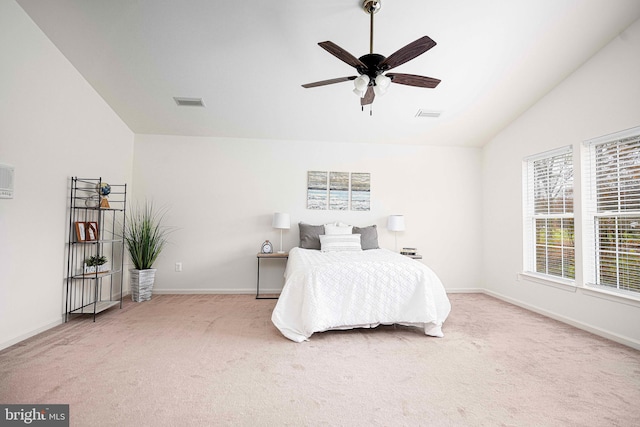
(141, 282)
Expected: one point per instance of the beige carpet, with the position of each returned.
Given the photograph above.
(200, 360)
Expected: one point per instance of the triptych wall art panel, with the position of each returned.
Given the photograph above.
(338, 191)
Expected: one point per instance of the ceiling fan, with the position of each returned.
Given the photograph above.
(372, 68)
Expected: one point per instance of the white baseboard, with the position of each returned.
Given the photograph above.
(568, 320)
(251, 291)
(465, 291)
(32, 333)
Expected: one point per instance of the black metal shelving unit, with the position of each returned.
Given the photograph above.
(95, 230)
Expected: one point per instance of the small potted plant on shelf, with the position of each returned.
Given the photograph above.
(145, 237)
(95, 264)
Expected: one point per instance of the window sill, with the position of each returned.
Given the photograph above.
(589, 289)
(558, 283)
(619, 297)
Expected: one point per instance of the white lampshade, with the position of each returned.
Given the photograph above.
(395, 223)
(281, 221)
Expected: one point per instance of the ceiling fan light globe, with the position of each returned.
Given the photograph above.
(361, 82)
(383, 82)
(379, 91)
(358, 92)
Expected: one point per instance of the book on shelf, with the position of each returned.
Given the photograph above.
(409, 251)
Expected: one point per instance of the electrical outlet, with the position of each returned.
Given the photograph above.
(178, 266)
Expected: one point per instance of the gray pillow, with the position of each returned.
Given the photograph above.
(368, 237)
(310, 235)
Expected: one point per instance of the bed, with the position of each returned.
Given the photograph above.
(346, 289)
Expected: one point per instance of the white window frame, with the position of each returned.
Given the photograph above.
(530, 217)
(592, 214)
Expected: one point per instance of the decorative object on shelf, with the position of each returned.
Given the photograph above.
(267, 247)
(104, 190)
(86, 231)
(145, 238)
(81, 232)
(395, 223)
(409, 251)
(92, 201)
(91, 231)
(281, 221)
(96, 264)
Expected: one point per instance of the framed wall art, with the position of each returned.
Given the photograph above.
(360, 191)
(338, 191)
(317, 190)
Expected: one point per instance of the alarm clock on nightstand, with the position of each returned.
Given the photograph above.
(267, 247)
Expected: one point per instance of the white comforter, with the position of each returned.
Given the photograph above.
(344, 290)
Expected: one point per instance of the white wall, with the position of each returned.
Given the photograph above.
(600, 98)
(53, 126)
(222, 193)
(462, 206)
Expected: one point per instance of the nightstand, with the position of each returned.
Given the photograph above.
(260, 256)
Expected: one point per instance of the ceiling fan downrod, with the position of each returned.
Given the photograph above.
(371, 7)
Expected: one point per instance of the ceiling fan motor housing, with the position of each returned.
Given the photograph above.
(372, 62)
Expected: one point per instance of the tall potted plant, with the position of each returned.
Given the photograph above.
(145, 237)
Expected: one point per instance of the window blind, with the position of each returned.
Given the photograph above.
(613, 211)
(549, 224)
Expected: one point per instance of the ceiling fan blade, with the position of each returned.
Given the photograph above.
(341, 54)
(413, 80)
(408, 52)
(329, 82)
(368, 97)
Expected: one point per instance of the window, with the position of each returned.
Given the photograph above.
(548, 214)
(613, 211)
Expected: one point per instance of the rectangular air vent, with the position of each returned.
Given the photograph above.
(428, 113)
(189, 102)
(6, 182)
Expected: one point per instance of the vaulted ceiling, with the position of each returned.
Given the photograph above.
(247, 60)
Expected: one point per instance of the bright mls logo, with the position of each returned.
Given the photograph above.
(36, 415)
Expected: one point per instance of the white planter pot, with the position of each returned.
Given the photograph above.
(141, 282)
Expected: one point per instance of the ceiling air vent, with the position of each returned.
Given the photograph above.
(189, 102)
(428, 113)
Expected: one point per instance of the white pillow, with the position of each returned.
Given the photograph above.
(337, 228)
(340, 242)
